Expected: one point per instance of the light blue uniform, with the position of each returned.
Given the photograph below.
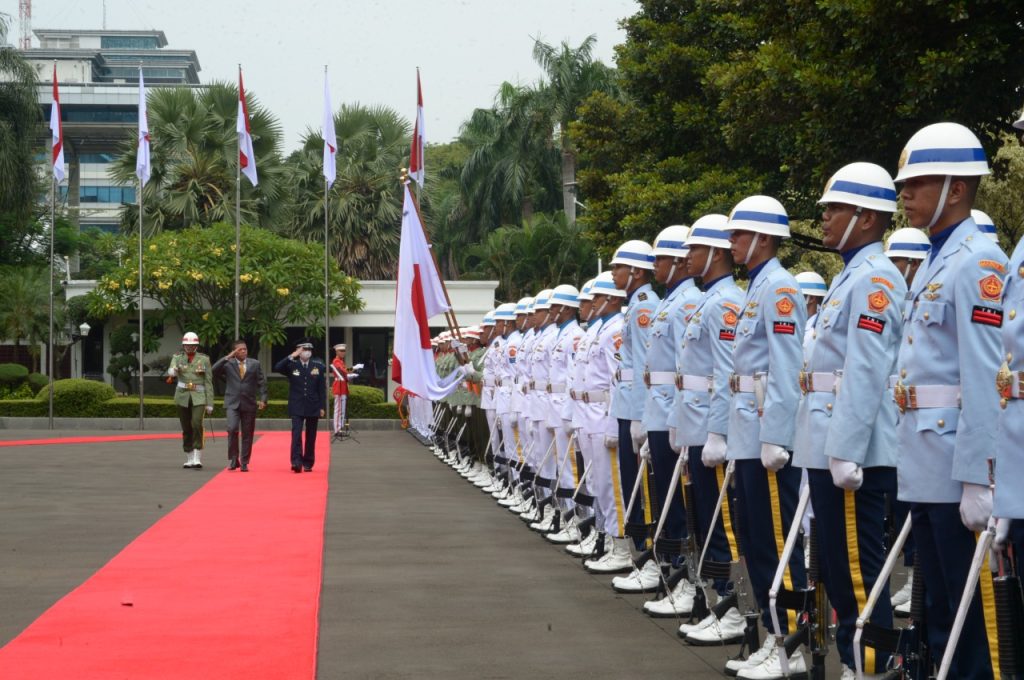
(629, 391)
(1009, 501)
(706, 352)
(951, 338)
(769, 340)
(856, 336)
(667, 328)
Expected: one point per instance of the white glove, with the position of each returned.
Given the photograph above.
(611, 441)
(467, 410)
(637, 434)
(357, 367)
(714, 452)
(1002, 532)
(672, 440)
(172, 371)
(352, 376)
(567, 427)
(645, 452)
(846, 475)
(469, 371)
(497, 422)
(209, 409)
(975, 506)
(773, 456)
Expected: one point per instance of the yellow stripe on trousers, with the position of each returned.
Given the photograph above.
(856, 575)
(988, 608)
(726, 515)
(780, 540)
(620, 511)
(519, 446)
(648, 519)
(572, 461)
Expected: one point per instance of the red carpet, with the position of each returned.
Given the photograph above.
(91, 439)
(225, 586)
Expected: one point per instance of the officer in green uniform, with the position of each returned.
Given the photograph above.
(193, 395)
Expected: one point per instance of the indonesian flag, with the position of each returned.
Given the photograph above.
(416, 153)
(143, 169)
(246, 157)
(420, 296)
(330, 140)
(56, 132)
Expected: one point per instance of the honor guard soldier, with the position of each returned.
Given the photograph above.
(632, 265)
(846, 430)
(659, 376)
(193, 396)
(525, 415)
(538, 400)
(339, 387)
(907, 248)
(985, 225)
(504, 447)
(767, 356)
(813, 287)
(514, 437)
(599, 430)
(489, 334)
(1009, 502)
(949, 352)
(704, 364)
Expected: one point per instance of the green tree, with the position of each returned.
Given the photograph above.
(190, 274)
(19, 142)
(25, 307)
(194, 151)
(366, 198)
(1000, 193)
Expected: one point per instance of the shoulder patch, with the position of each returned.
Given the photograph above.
(641, 296)
(991, 288)
(884, 281)
(689, 306)
(784, 328)
(992, 264)
(784, 306)
(732, 305)
(729, 318)
(643, 320)
(878, 301)
(987, 316)
(727, 334)
(782, 291)
(617, 339)
(871, 323)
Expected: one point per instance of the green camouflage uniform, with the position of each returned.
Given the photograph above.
(193, 393)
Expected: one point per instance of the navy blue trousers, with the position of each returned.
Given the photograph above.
(707, 483)
(304, 455)
(629, 466)
(767, 502)
(663, 458)
(851, 551)
(945, 548)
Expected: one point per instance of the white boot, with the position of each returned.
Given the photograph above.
(189, 459)
(584, 548)
(771, 667)
(734, 666)
(568, 534)
(679, 602)
(642, 580)
(850, 674)
(197, 462)
(727, 630)
(901, 598)
(615, 561)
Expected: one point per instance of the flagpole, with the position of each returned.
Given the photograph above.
(49, 349)
(327, 250)
(142, 418)
(238, 219)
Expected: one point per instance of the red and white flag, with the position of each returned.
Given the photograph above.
(416, 153)
(56, 132)
(420, 296)
(246, 157)
(330, 139)
(143, 168)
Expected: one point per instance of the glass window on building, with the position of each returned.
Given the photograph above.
(114, 42)
(107, 194)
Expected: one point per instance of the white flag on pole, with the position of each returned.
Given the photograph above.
(56, 132)
(246, 157)
(143, 169)
(330, 140)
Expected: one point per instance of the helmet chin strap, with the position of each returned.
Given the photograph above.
(707, 263)
(906, 271)
(750, 250)
(600, 309)
(849, 228)
(941, 204)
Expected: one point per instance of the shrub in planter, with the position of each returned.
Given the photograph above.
(382, 411)
(77, 398)
(37, 381)
(12, 375)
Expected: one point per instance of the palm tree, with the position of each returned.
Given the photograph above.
(572, 76)
(24, 307)
(366, 198)
(194, 158)
(19, 140)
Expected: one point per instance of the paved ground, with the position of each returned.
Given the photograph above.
(424, 576)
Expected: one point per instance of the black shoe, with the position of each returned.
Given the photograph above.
(233, 465)
(296, 468)
(245, 468)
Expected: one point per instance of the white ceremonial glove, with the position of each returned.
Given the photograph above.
(846, 475)
(357, 367)
(773, 456)
(715, 449)
(173, 372)
(672, 440)
(469, 371)
(467, 410)
(1002, 532)
(352, 376)
(645, 452)
(637, 434)
(975, 506)
(209, 409)
(611, 441)
(567, 427)
(497, 422)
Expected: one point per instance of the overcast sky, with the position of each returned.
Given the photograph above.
(464, 49)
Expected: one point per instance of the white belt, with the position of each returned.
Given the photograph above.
(556, 388)
(695, 382)
(624, 375)
(590, 396)
(926, 396)
(191, 387)
(819, 381)
(893, 379)
(539, 385)
(743, 383)
(660, 378)
(491, 382)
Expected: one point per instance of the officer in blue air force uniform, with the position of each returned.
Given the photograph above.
(846, 428)
(307, 401)
(632, 265)
(948, 356)
(1009, 502)
(767, 357)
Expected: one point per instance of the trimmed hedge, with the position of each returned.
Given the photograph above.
(77, 397)
(12, 374)
(24, 408)
(37, 381)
